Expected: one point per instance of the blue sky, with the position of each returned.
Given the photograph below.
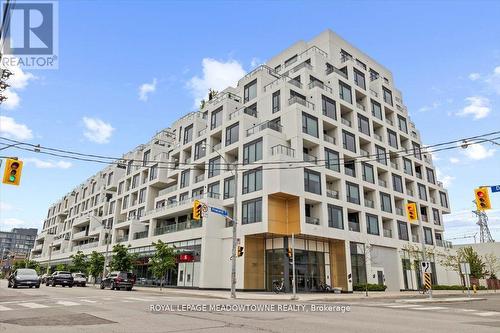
(445, 57)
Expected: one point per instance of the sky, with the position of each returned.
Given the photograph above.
(130, 68)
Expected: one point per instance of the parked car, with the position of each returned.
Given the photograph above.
(60, 277)
(118, 280)
(79, 279)
(24, 277)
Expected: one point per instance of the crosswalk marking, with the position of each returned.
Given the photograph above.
(4, 308)
(403, 306)
(138, 299)
(487, 314)
(33, 305)
(88, 301)
(467, 310)
(67, 303)
(430, 308)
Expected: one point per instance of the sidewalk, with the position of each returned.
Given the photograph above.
(406, 296)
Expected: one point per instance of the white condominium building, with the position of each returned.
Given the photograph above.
(324, 149)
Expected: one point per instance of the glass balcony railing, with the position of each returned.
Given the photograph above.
(312, 220)
(301, 101)
(192, 224)
(282, 150)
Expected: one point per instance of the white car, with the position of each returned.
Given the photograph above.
(79, 279)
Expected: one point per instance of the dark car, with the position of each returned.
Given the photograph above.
(118, 280)
(60, 277)
(24, 277)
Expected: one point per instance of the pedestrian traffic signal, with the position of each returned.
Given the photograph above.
(12, 172)
(197, 207)
(482, 198)
(239, 251)
(411, 211)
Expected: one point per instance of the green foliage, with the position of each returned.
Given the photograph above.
(30, 264)
(492, 264)
(453, 287)
(61, 267)
(162, 260)
(477, 265)
(79, 262)
(371, 287)
(95, 264)
(121, 260)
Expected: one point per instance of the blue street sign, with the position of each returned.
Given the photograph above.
(495, 188)
(218, 211)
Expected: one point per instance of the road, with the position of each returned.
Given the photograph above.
(89, 309)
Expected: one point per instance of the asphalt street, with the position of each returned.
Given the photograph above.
(89, 309)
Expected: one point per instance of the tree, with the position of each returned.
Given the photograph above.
(492, 265)
(62, 267)
(477, 265)
(121, 260)
(79, 262)
(25, 263)
(162, 260)
(95, 264)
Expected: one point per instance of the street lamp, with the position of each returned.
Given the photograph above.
(50, 257)
(106, 238)
(235, 214)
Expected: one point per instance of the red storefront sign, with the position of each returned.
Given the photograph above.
(186, 257)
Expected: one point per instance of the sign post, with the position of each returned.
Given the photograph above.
(426, 273)
(465, 268)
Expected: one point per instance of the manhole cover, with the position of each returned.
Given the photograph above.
(65, 320)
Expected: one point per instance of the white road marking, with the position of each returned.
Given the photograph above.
(139, 299)
(125, 301)
(4, 308)
(88, 301)
(431, 308)
(404, 306)
(33, 305)
(467, 310)
(487, 314)
(67, 303)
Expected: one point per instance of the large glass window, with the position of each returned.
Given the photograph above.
(188, 134)
(403, 230)
(392, 138)
(200, 149)
(358, 263)
(368, 174)
(332, 160)
(387, 95)
(408, 167)
(444, 201)
(252, 151)
(250, 91)
(363, 124)
(310, 124)
(350, 168)
(232, 134)
(437, 218)
(216, 118)
(381, 155)
(376, 110)
(428, 236)
(430, 176)
(276, 101)
(145, 159)
(229, 187)
(372, 224)
(329, 107)
(312, 181)
(345, 92)
(385, 202)
(359, 79)
(335, 217)
(213, 190)
(416, 150)
(349, 141)
(185, 178)
(352, 191)
(397, 183)
(402, 124)
(252, 211)
(214, 167)
(422, 192)
(252, 180)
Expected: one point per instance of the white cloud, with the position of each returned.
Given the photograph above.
(479, 107)
(217, 75)
(4, 207)
(431, 107)
(13, 100)
(18, 81)
(97, 130)
(474, 76)
(255, 62)
(11, 223)
(447, 180)
(463, 223)
(478, 152)
(454, 160)
(49, 164)
(11, 129)
(145, 89)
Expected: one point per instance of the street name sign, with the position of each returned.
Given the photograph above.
(218, 211)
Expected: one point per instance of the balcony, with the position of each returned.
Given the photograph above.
(302, 65)
(301, 101)
(332, 194)
(346, 122)
(187, 225)
(378, 137)
(439, 242)
(329, 139)
(122, 239)
(199, 178)
(353, 226)
(260, 127)
(394, 165)
(364, 153)
(282, 150)
(310, 158)
(167, 190)
(333, 69)
(81, 234)
(312, 220)
(414, 238)
(382, 183)
(360, 106)
(390, 122)
(388, 233)
(239, 112)
(409, 192)
(369, 203)
(140, 235)
(373, 92)
(399, 211)
(319, 84)
(85, 246)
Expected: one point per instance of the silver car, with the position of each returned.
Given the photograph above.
(79, 279)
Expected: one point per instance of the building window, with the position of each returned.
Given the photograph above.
(428, 236)
(444, 201)
(183, 196)
(407, 166)
(251, 110)
(416, 150)
(335, 217)
(358, 263)
(153, 172)
(422, 192)
(403, 230)
(310, 124)
(397, 183)
(385, 202)
(142, 195)
(145, 157)
(276, 101)
(437, 218)
(252, 211)
(359, 79)
(352, 193)
(229, 187)
(381, 155)
(392, 138)
(402, 124)
(213, 190)
(125, 202)
(329, 107)
(250, 91)
(350, 168)
(376, 110)
(291, 60)
(353, 221)
(345, 92)
(372, 224)
(312, 181)
(188, 134)
(200, 149)
(349, 141)
(214, 167)
(252, 151)
(216, 118)
(368, 174)
(332, 160)
(252, 180)
(387, 95)
(363, 124)
(185, 178)
(232, 134)
(430, 176)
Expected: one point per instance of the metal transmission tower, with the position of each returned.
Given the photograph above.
(484, 231)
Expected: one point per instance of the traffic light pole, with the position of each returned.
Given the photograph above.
(235, 240)
(294, 288)
(422, 242)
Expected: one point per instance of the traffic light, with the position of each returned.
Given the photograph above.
(12, 172)
(289, 253)
(197, 207)
(239, 251)
(411, 211)
(482, 198)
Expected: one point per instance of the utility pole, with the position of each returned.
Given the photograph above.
(422, 242)
(106, 238)
(294, 289)
(50, 257)
(235, 240)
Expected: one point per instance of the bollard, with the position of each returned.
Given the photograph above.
(475, 288)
